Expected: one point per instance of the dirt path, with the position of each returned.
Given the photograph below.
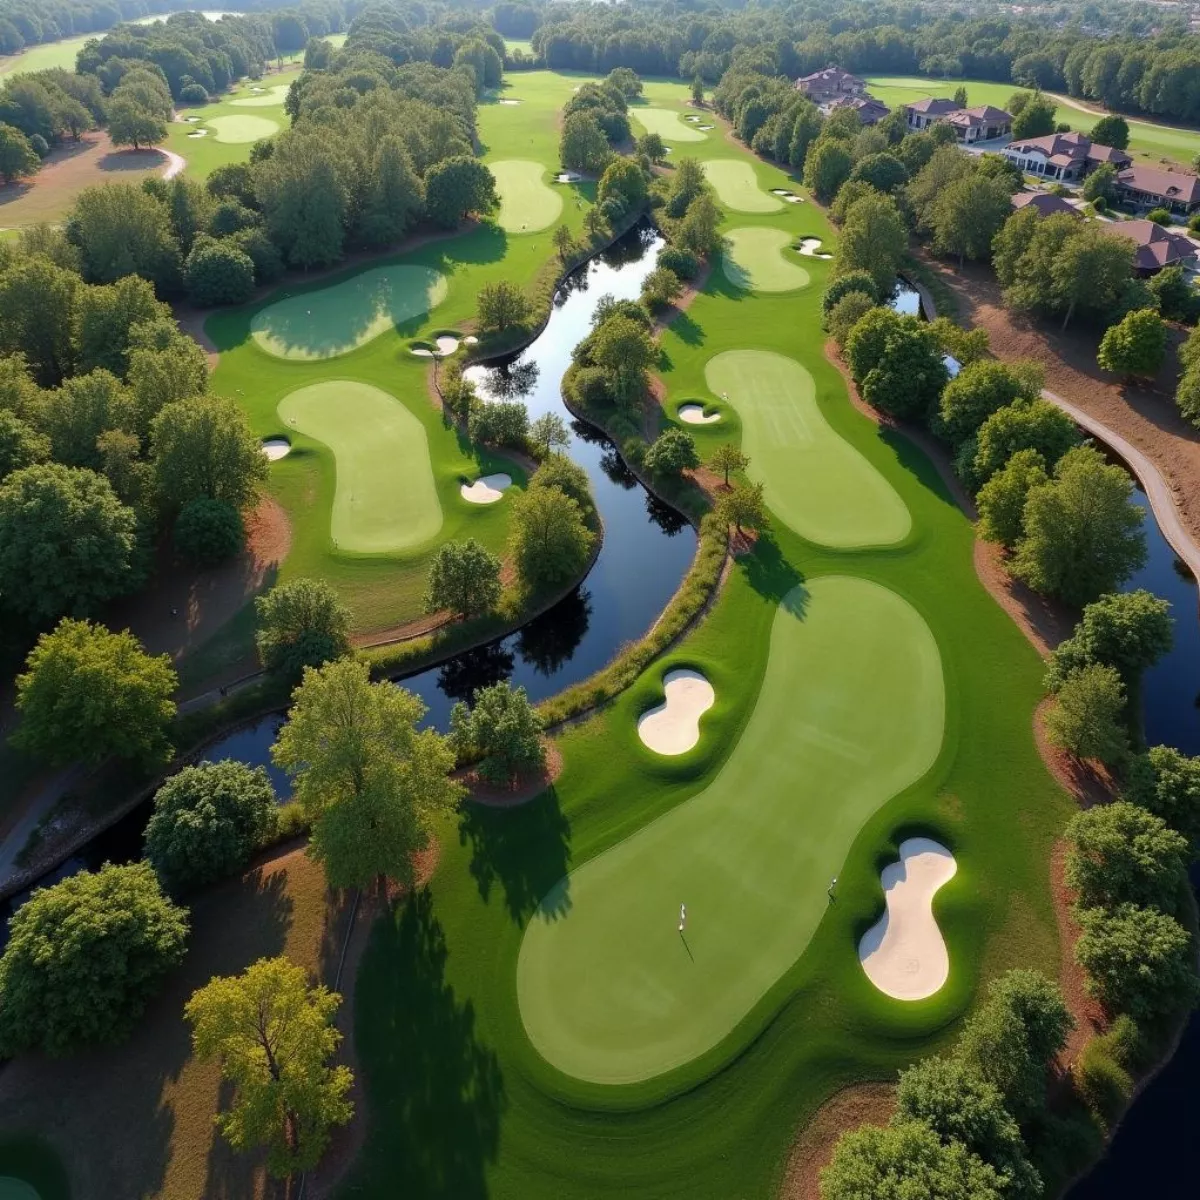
(176, 163)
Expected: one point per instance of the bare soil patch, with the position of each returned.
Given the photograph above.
(1088, 1014)
(523, 789)
(860, 1104)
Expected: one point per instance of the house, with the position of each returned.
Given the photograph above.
(1152, 187)
(1154, 246)
(1045, 204)
(978, 124)
(1062, 156)
(870, 111)
(823, 87)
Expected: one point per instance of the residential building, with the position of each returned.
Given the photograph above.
(870, 111)
(1153, 187)
(980, 124)
(823, 87)
(923, 113)
(1155, 247)
(1062, 156)
(1045, 204)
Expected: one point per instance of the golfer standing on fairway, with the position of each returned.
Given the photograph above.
(682, 917)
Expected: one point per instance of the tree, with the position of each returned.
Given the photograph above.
(464, 578)
(17, 157)
(874, 240)
(847, 313)
(1177, 298)
(208, 532)
(60, 993)
(743, 507)
(945, 167)
(549, 434)
(697, 232)
(456, 187)
(499, 423)
(625, 81)
(204, 447)
(1083, 532)
(858, 280)
(501, 730)
(218, 272)
(368, 781)
(980, 389)
(274, 1036)
(37, 316)
(908, 379)
(208, 821)
(75, 416)
(966, 217)
(1167, 783)
(133, 124)
(959, 1106)
(728, 457)
(623, 348)
(303, 192)
(397, 195)
(1120, 853)
(1001, 501)
(67, 544)
(1101, 184)
(1112, 131)
(502, 305)
(1135, 345)
(1127, 630)
(826, 168)
(549, 541)
(162, 372)
(902, 1160)
(301, 623)
(1091, 271)
(687, 184)
(883, 171)
(697, 89)
(1023, 425)
(960, 96)
(485, 63)
(1036, 118)
(122, 230)
(1087, 719)
(564, 243)
(661, 288)
(556, 470)
(672, 453)
(651, 145)
(20, 444)
(1138, 960)
(867, 343)
(583, 145)
(106, 316)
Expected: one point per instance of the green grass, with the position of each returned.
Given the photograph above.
(241, 129)
(1148, 140)
(757, 260)
(459, 1102)
(343, 316)
(386, 499)
(45, 56)
(608, 990)
(669, 125)
(813, 479)
(737, 186)
(527, 203)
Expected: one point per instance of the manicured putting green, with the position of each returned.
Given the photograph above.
(339, 318)
(737, 186)
(527, 202)
(239, 129)
(850, 713)
(754, 259)
(385, 499)
(813, 480)
(272, 96)
(668, 124)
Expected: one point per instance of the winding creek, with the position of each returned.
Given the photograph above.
(646, 552)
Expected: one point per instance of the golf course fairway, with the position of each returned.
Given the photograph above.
(813, 480)
(737, 186)
(385, 499)
(337, 319)
(753, 259)
(850, 713)
(527, 202)
(668, 124)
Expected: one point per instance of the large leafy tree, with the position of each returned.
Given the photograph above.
(1023, 425)
(826, 167)
(37, 316)
(980, 389)
(1135, 345)
(133, 124)
(301, 623)
(273, 1036)
(67, 544)
(83, 958)
(122, 230)
(1087, 719)
(464, 577)
(207, 822)
(1167, 783)
(303, 190)
(1001, 501)
(397, 196)
(204, 447)
(1111, 130)
(968, 214)
(75, 416)
(501, 730)
(672, 453)
(20, 444)
(908, 378)
(623, 348)
(456, 187)
(17, 157)
(1127, 630)
(874, 240)
(1036, 118)
(106, 317)
(549, 540)
(583, 145)
(369, 782)
(502, 305)
(218, 272)
(1083, 532)
(88, 693)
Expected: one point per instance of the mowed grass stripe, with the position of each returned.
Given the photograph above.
(850, 713)
(753, 259)
(385, 499)
(813, 480)
(527, 202)
(339, 318)
(737, 186)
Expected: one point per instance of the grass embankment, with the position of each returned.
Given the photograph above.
(460, 1101)
(1147, 139)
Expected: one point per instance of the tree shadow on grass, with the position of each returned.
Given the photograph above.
(770, 574)
(524, 851)
(436, 1091)
(687, 330)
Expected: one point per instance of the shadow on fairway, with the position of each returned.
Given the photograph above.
(525, 851)
(436, 1091)
(770, 574)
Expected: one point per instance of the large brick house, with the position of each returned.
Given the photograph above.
(870, 111)
(1154, 247)
(829, 85)
(980, 124)
(1063, 156)
(1152, 187)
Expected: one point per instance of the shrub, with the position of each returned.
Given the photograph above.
(843, 285)
(845, 314)
(672, 453)
(1160, 216)
(502, 730)
(500, 423)
(208, 532)
(1102, 1083)
(193, 93)
(218, 272)
(1087, 721)
(1167, 783)
(682, 262)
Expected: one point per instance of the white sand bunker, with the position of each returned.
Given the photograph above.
(673, 727)
(446, 343)
(794, 199)
(421, 351)
(276, 448)
(487, 489)
(812, 247)
(904, 953)
(510, 102)
(191, 120)
(705, 126)
(691, 117)
(567, 177)
(470, 340)
(198, 133)
(694, 414)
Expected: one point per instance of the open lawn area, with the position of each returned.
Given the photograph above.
(1147, 139)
